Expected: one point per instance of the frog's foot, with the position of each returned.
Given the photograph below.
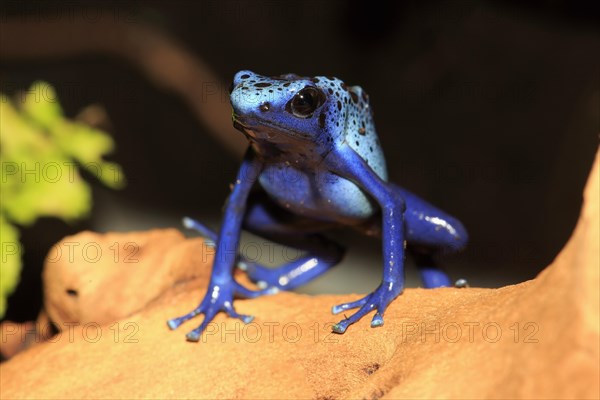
(264, 277)
(218, 298)
(461, 283)
(434, 277)
(378, 300)
(202, 229)
(293, 274)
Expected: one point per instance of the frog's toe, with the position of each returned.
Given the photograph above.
(378, 301)
(377, 320)
(262, 284)
(209, 315)
(234, 314)
(341, 326)
(202, 229)
(348, 306)
(194, 335)
(461, 283)
(174, 323)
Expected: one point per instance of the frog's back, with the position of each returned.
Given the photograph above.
(359, 130)
(356, 130)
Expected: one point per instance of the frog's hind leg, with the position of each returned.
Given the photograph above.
(429, 232)
(277, 225)
(265, 219)
(432, 275)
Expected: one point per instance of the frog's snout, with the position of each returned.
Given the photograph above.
(242, 76)
(239, 92)
(246, 94)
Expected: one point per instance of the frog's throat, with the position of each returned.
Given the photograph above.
(262, 129)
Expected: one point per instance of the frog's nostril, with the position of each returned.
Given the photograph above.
(264, 107)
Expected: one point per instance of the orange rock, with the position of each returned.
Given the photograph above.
(537, 339)
(17, 336)
(101, 278)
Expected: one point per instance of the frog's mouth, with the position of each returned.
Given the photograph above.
(261, 130)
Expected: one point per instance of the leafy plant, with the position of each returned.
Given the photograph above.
(41, 154)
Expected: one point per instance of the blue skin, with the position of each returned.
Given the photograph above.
(317, 160)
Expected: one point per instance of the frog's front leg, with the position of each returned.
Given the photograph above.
(222, 287)
(348, 164)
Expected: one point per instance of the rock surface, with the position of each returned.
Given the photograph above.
(537, 339)
(101, 278)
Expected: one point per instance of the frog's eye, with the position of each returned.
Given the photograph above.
(305, 102)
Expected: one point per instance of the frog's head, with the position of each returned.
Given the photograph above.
(289, 112)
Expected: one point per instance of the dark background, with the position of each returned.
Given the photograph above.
(490, 110)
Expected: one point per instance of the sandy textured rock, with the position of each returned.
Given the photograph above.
(15, 338)
(538, 339)
(100, 278)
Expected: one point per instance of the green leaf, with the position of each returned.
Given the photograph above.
(10, 265)
(41, 154)
(41, 105)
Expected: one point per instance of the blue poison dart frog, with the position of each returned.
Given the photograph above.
(317, 163)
